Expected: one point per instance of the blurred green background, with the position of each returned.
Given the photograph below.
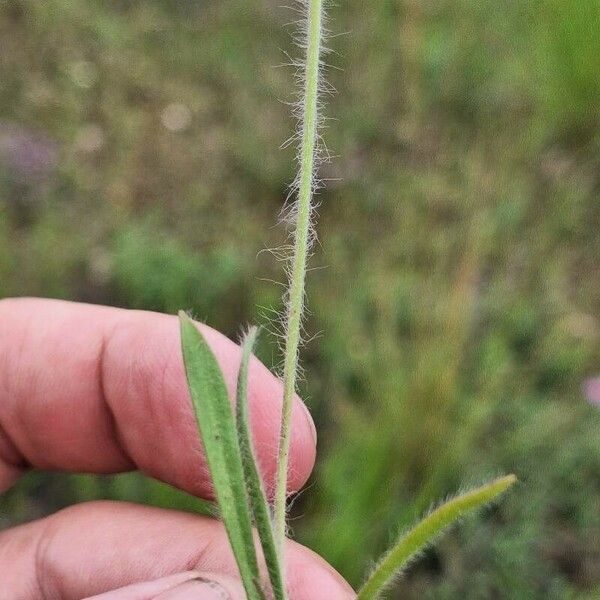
(459, 299)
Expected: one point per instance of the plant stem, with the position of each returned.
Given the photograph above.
(426, 531)
(308, 146)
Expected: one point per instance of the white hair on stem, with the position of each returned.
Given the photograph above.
(298, 213)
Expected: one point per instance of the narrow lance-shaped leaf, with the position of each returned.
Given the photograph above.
(219, 437)
(426, 531)
(258, 498)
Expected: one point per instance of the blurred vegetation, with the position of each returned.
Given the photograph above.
(460, 303)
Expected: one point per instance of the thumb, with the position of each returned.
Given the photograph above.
(192, 585)
(205, 587)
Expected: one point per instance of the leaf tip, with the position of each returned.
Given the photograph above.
(506, 482)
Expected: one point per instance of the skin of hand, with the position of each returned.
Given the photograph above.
(90, 389)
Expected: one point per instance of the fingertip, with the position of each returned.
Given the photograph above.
(125, 544)
(151, 336)
(310, 577)
(303, 446)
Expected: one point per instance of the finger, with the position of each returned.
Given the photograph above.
(92, 548)
(206, 587)
(183, 586)
(93, 389)
(148, 589)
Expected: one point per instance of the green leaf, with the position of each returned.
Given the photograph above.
(216, 424)
(258, 498)
(426, 531)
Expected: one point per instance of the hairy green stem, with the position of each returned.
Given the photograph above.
(426, 531)
(308, 146)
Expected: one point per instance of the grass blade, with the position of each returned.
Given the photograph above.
(216, 424)
(426, 531)
(258, 498)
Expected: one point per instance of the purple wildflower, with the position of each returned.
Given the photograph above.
(591, 389)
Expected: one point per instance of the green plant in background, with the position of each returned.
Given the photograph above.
(226, 437)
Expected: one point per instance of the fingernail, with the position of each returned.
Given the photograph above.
(196, 589)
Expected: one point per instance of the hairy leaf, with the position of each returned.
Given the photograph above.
(426, 531)
(216, 424)
(258, 498)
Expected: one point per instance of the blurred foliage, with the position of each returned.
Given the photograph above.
(140, 167)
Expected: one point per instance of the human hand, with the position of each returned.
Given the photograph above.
(100, 390)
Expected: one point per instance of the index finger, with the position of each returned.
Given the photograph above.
(102, 390)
